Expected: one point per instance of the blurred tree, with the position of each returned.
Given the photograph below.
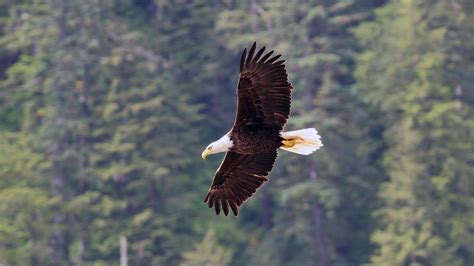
(416, 49)
(207, 253)
(148, 133)
(108, 111)
(25, 203)
(315, 38)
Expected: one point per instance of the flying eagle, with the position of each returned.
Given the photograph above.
(264, 99)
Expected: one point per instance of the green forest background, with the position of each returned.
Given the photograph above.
(106, 105)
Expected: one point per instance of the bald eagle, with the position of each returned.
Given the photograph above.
(264, 98)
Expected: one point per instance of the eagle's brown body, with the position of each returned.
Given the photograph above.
(245, 138)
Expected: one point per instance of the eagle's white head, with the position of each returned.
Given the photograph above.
(221, 145)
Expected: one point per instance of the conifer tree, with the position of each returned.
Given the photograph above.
(309, 188)
(207, 253)
(411, 70)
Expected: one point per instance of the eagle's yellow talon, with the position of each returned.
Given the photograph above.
(288, 143)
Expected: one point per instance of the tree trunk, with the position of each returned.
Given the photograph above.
(58, 242)
(317, 216)
(123, 251)
(266, 212)
(253, 15)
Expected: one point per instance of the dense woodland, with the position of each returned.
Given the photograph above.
(106, 105)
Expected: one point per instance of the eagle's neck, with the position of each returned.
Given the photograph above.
(223, 144)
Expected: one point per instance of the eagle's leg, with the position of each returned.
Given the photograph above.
(289, 143)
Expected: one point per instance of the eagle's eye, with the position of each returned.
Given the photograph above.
(209, 148)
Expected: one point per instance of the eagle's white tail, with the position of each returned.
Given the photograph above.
(303, 141)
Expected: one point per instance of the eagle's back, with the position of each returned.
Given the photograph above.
(254, 139)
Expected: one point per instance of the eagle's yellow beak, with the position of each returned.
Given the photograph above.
(205, 153)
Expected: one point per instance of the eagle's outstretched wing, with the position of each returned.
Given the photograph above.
(263, 92)
(238, 177)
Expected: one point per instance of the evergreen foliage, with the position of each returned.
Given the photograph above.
(411, 49)
(207, 252)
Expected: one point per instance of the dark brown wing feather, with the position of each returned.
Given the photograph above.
(263, 92)
(238, 177)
